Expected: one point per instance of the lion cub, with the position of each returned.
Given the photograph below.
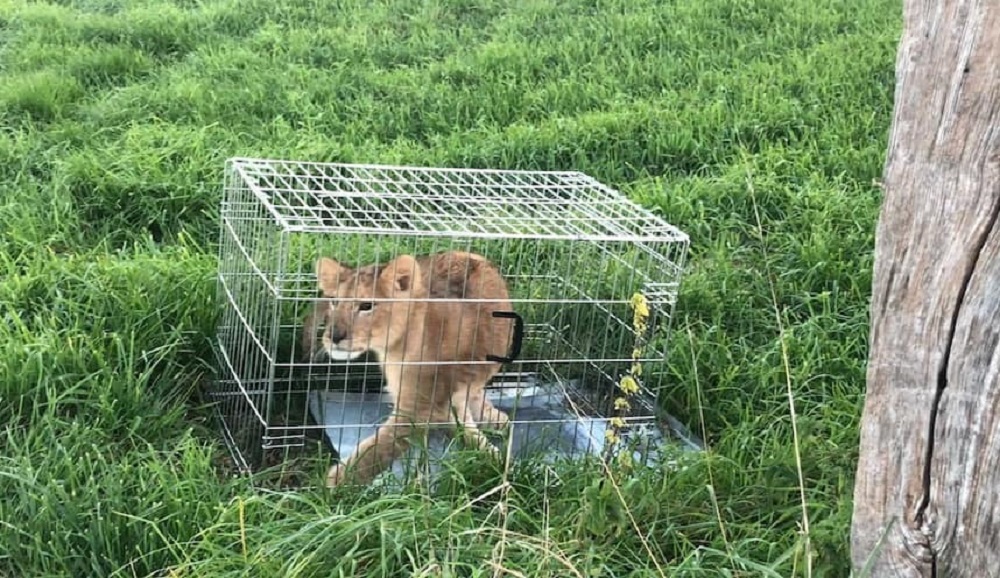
(433, 345)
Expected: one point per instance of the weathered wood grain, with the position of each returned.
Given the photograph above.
(928, 477)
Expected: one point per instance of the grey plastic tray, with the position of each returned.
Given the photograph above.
(543, 426)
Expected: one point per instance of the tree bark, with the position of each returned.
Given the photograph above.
(927, 495)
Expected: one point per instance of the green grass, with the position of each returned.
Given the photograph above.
(115, 119)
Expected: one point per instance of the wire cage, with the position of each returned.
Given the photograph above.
(591, 283)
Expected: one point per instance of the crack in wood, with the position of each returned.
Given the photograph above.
(926, 528)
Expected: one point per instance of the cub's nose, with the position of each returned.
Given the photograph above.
(337, 334)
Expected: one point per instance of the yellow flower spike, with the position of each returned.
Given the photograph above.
(640, 305)
(629, 385)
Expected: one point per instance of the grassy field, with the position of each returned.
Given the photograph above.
(759, 127)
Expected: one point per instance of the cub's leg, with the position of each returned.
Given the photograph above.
(474, 397)
(309, 326)
(484, 411)
(374, 454)
(464, 403)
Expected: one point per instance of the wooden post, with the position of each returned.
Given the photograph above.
(927, 495)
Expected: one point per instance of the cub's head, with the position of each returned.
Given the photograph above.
(353, 316)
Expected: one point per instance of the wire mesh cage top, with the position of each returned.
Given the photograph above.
(574, 252)
(331, 198)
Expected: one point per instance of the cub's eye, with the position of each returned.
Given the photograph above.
(365, 306)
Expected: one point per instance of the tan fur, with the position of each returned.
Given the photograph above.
(450, 334)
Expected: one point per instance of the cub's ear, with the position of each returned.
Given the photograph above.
(401, 275)
(329, 274)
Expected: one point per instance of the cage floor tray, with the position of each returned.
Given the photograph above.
(543, 425)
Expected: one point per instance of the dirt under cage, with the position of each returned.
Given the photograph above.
(591, 281)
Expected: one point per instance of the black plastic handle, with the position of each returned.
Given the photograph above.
(515, 347)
